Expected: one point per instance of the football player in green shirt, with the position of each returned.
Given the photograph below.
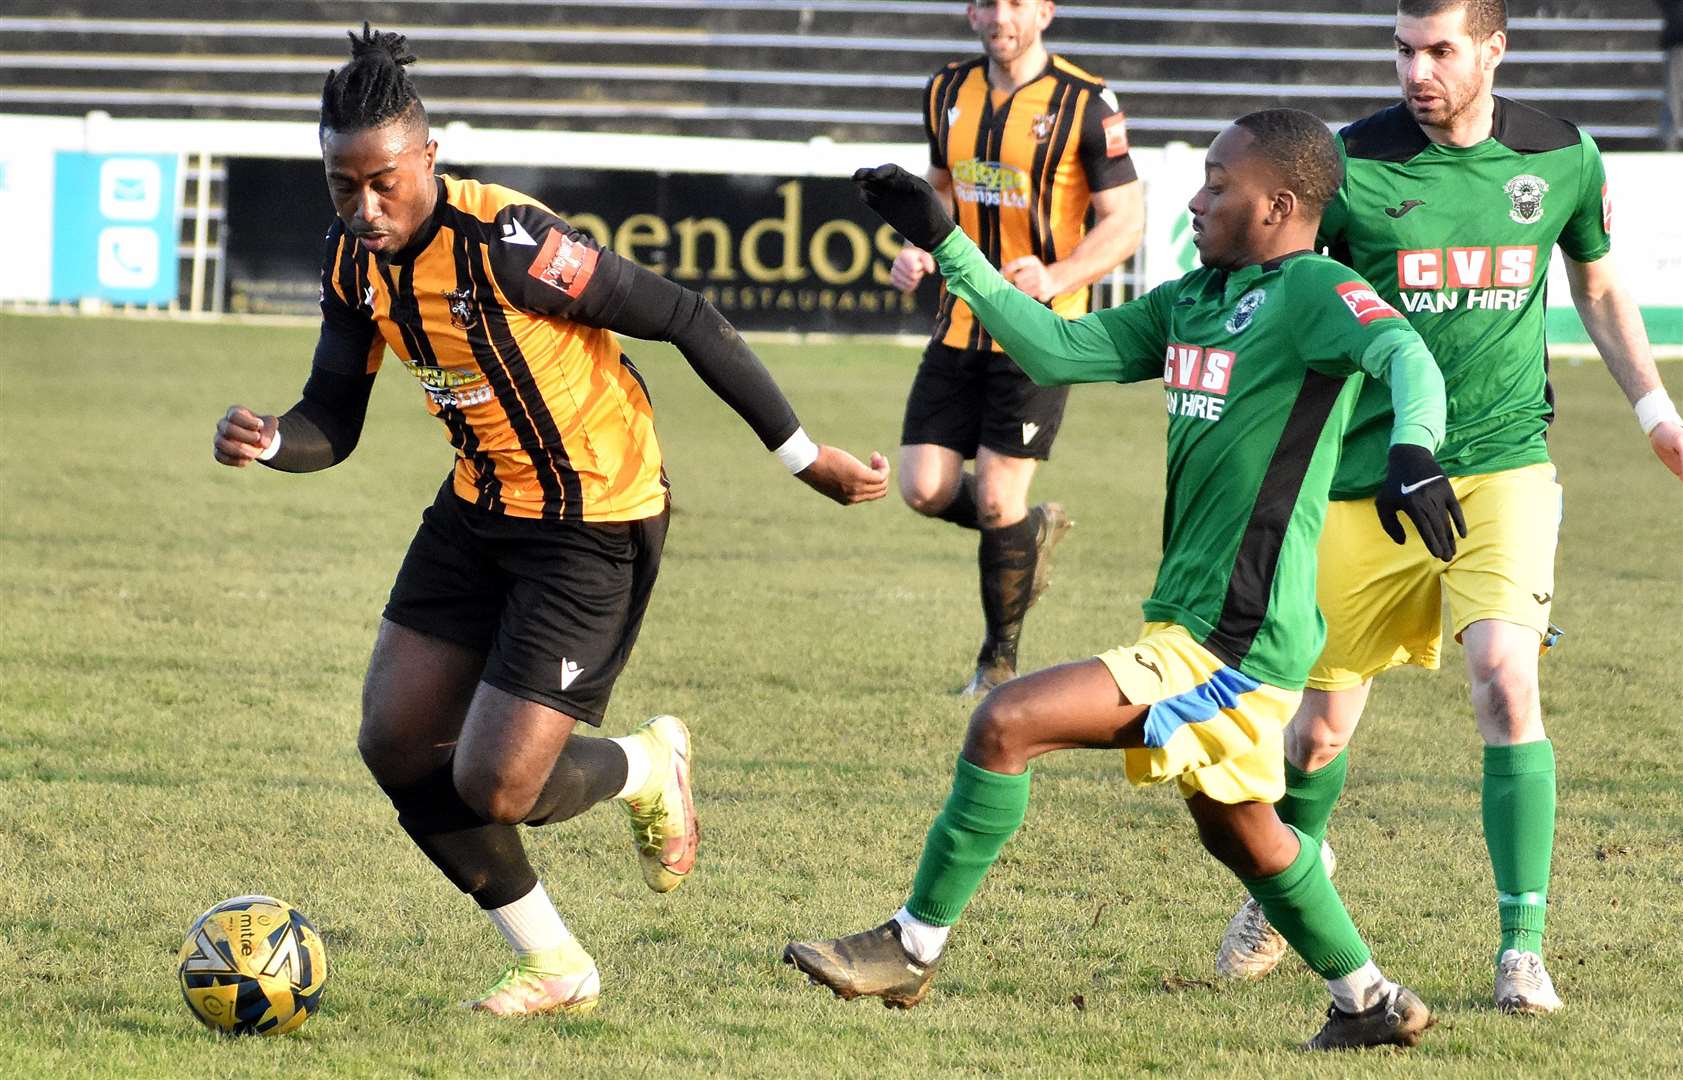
(1261, 353)
(1452, 204)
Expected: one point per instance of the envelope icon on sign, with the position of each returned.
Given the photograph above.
(130, 189)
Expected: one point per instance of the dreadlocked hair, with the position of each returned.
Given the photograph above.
(373, 89)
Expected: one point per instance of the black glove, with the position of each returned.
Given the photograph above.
(1416, 485)
(907, 203)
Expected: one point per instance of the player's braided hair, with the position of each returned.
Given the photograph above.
(1299, 145)
(1484, 17)
(373, 89)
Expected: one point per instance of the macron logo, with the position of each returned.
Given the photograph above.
(570, 670)
(1029, 432)
(515, 233)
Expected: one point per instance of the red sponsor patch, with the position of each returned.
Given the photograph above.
(1606, 210)
(564, 263)
(1365, 304)
(1192, 367)
(1115, 134)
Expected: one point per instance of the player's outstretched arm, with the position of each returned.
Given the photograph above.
(1615, 325)
(844, 478)
(1051, 350)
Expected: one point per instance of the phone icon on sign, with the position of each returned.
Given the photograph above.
(130, 189)
(128, 257)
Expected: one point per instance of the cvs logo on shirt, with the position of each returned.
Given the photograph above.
(1467, 267)
(1196, 380)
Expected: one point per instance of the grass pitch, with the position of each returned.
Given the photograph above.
(180, 661)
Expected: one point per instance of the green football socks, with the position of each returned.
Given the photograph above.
(1519, 831)
(1310, 796)
(1304, 907)
(982, 811)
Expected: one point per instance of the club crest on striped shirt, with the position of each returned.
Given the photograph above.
(1041, 125)
(462, 315)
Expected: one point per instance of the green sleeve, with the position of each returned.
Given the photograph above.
(1104, 346)
(1585, 237)
(1400, 358)
(1346, 326)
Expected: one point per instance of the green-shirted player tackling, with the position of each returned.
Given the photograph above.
(1452, 203)
(1260, 354)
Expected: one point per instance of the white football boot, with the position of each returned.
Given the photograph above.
(1251, 947)
(1523, 985)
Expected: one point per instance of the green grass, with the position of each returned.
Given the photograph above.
(180, 659)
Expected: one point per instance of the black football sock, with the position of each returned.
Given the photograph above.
(962, 510)
(1006, 560)
(588, 771)
(485, 860)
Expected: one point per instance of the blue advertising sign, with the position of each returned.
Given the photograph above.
(115, 223)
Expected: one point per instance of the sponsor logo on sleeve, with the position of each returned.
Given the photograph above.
(1115, 134)
(1365, 304)
(564, 264)
(1606, 211)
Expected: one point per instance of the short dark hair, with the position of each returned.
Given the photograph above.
(1484, 17)
(1300, 146)
(373, 89)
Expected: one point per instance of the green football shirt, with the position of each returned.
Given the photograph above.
(1260, 370)
(1459, 240)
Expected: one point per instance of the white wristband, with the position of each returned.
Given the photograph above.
(798, 451)
(1655, 408)
(272, 449)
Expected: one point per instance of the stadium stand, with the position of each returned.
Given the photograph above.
(789, 69)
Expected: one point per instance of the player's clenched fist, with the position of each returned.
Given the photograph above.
(906, 202)
(241, 435)
(909, 268)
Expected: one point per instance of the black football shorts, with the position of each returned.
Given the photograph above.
(555, 606)
(966, 398)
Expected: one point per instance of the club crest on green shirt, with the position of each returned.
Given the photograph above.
(1526, 192)
(1246, 311)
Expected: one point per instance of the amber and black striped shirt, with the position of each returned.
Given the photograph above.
(1023, 167)
(547, 416)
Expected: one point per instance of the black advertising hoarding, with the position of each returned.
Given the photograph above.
(772, 253)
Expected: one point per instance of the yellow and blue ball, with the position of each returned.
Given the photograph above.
(252, 965)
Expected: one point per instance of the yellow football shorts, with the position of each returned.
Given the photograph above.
(1383, 602)
(1211, 728)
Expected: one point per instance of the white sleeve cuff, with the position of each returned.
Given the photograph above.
(1655, 408)
(272, 449)
(798, 451)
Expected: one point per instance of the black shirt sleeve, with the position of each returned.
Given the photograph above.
(1103, 148)
(563, 273)
(323, 428)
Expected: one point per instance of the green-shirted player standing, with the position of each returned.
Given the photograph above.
(1452, 203)
(1260, 353)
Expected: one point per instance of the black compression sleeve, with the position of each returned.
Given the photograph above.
(322, 429)
(656, 309)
